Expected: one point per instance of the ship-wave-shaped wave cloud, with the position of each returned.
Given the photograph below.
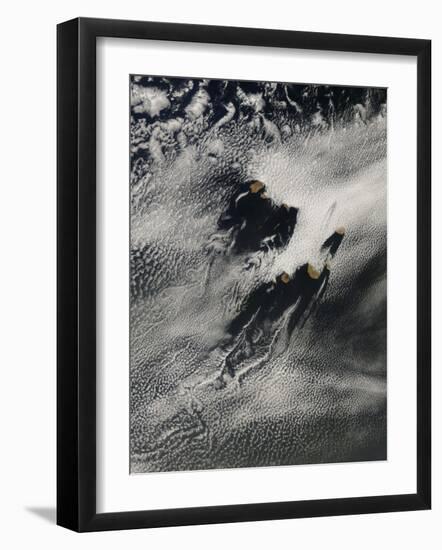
(258, 274)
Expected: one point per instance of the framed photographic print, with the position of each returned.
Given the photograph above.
(243, 274)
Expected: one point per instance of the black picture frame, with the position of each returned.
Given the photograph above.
(76, 274)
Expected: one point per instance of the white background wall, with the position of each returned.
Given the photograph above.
(27, 275)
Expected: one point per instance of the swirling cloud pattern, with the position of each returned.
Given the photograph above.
(258, 329)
